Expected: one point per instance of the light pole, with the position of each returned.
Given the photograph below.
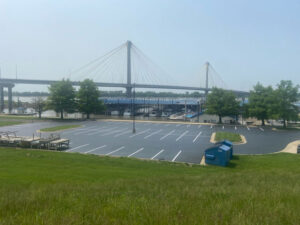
(133, 109)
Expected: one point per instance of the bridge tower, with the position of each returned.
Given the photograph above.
(206, 78)
(129, 85)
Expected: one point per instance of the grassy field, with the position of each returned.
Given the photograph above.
(233, 137)
(41, 187)
(57, 128)
(9, 123)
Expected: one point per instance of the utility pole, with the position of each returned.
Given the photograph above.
(129, 87)
(133, 110)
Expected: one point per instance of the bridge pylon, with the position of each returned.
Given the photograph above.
(129, 85)
(206, 79)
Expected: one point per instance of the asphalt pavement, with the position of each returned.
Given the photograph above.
(181, 142)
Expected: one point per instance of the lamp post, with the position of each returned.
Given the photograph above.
(133, 110)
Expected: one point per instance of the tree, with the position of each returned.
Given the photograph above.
(286, 96)
(222, 103)
(88, 98)
(261, 102)
(62, 97)
(39, 105)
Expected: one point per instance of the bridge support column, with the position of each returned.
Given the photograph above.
(10, 98)
(128, 92)
(1, 99)
(129, 87)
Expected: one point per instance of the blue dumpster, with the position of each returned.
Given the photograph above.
(227, 143)
(217, 155)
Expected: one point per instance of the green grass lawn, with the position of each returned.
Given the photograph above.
(9, 123)
(57, 128)
(43, 187)
(233, 137)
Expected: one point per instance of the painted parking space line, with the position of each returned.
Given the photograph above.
(156, 132)
(102, 130)
(94, 149)
(161, 151)
(142, 132)
(197, 136)
(176, 156)
(235, 128)
(184, 133)
(114, 131)
(80, 146)
(248, 128)
(211, 126)
(115, 150)
(141, 149)
(126, 132)
(171, 132)
(74, 130)
(261, 129)
(223, 128)
(86, 131)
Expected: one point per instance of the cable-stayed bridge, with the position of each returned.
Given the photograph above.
(123, 67)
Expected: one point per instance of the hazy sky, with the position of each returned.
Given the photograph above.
(245, 40)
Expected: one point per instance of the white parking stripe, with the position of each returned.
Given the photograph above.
(157, 154)
(86, 131)
(77, 147)
(261, 129)
(102, 130)
(114, 131)
(184, 133)
(126, 132)
(141, 149)
(197, 136)
(94, 149)
(176, 156)
(167, 135)
(74, 130)
(115, 150)
(223, 127)
(156, 132)
(235, 128)
(142, 132)
(248, 128)
(211, 126)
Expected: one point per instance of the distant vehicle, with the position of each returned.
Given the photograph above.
(153, 114)
(177, 116)
(164, 114)
(115, 113)
(127, 113)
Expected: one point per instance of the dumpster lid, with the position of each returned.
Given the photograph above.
(224, 148)
(227, 142)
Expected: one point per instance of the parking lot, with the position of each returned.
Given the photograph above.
(182, 142)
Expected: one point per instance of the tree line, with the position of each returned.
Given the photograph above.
(264, 103)
(63, 97)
